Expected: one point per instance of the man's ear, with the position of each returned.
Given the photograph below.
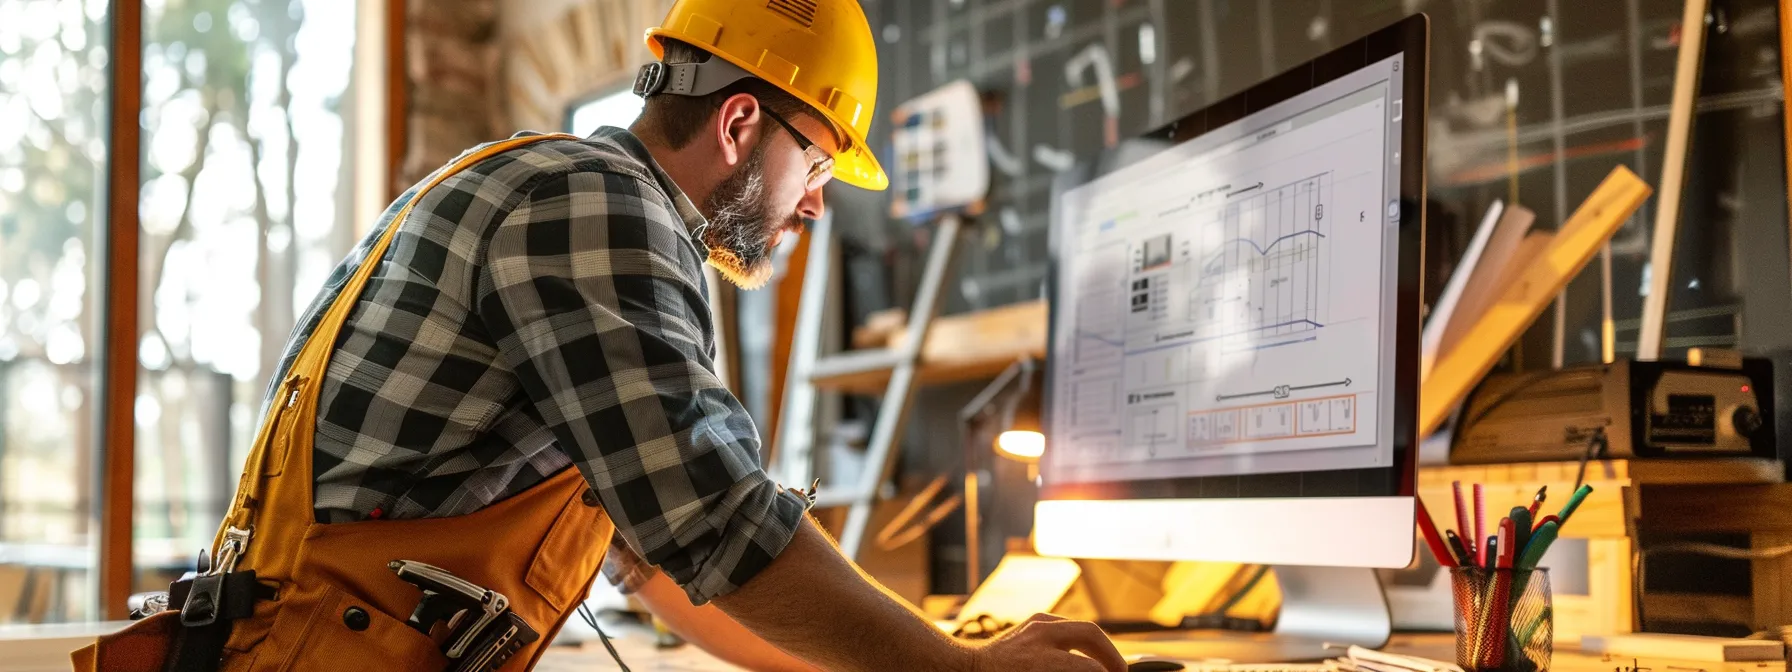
(737, 128)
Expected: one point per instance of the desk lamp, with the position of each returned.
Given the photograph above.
(1013, 399)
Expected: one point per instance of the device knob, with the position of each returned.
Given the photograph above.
(1746, 420)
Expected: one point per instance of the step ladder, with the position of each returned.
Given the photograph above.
(794, 452)
(941, 169)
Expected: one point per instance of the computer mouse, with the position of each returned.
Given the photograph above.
(1154, 666)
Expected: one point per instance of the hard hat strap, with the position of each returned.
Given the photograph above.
(687, 79)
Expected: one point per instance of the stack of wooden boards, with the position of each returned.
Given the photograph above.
(1510, 279)
(1653, 651)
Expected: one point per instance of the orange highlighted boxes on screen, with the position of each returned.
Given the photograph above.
(1290, 419)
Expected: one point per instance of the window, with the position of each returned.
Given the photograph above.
(615, 108)
(248, 148)
(246, 206)
(54, 88)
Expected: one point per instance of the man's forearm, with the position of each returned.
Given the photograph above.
(712, 630)
(813, 603)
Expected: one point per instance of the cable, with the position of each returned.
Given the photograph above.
(1596, 443)
(1238, 595)
(591, 620)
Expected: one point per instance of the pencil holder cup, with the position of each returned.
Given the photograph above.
(1504, 620)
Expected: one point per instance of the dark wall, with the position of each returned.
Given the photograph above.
(1593, 79)
(1593, 83)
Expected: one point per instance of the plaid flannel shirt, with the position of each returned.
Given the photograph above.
(547, 308)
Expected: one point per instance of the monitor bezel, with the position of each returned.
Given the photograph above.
(1409, 37)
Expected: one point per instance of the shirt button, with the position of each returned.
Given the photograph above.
(356, 619)
(589, 497)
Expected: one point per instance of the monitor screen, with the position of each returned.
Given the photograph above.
(1224, 309)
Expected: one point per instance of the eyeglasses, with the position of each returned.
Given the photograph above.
(821, 163)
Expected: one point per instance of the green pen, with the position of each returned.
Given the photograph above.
(1540, 541)
(1521, 529)
(1574, 501)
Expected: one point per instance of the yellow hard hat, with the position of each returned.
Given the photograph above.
(820, 51)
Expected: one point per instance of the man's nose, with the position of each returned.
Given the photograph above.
(812, 207)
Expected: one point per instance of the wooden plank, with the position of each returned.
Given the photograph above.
(1744, 508)
(1611, 584)
(1579, 238)
(1692, 472)
(1772, 581)
(118, 376)
(969, 346)
(1597, 470)
(1786, 90)
(1673, 178)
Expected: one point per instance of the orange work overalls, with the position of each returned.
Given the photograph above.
(333, 603)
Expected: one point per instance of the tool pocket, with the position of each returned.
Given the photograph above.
(348, 634)
(142, 646)
(292, 393)
(571, 552)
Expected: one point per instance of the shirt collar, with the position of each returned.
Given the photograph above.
(694, 221)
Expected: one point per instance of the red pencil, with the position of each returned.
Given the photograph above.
(1429, 530)
(1462, 528)
(1480, 531)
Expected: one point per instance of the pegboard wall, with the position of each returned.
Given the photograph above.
(1591, 82)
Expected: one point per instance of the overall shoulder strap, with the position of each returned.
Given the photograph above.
(298, 388)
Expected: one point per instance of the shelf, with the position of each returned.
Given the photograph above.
(969, 346)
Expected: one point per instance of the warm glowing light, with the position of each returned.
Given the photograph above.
(1021, 445)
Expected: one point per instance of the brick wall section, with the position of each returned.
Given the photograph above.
(452, 56)
(480, 70)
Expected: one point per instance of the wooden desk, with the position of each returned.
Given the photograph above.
(638, 651)
(43, 648)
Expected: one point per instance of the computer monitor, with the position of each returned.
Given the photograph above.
(1234, 343)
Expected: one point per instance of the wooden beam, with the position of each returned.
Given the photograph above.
(372, 152)
(1772, 578)
(1673, 179)
(398, 97)
(969, 346)
(1786, 91)
(118, 373)
(1718, 508)
(789, 297)
(1525, 297)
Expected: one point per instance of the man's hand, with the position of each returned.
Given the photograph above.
(1044, 643)
(814, 604)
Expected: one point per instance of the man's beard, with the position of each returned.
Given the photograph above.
(742, 225)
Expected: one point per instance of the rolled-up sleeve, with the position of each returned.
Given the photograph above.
(593, 291)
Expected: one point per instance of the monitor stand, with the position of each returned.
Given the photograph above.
(1338, 606)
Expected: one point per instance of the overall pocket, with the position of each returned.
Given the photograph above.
(348, 634)
(142, 646)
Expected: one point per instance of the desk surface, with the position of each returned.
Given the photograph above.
(638, 651)
(40, 647)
